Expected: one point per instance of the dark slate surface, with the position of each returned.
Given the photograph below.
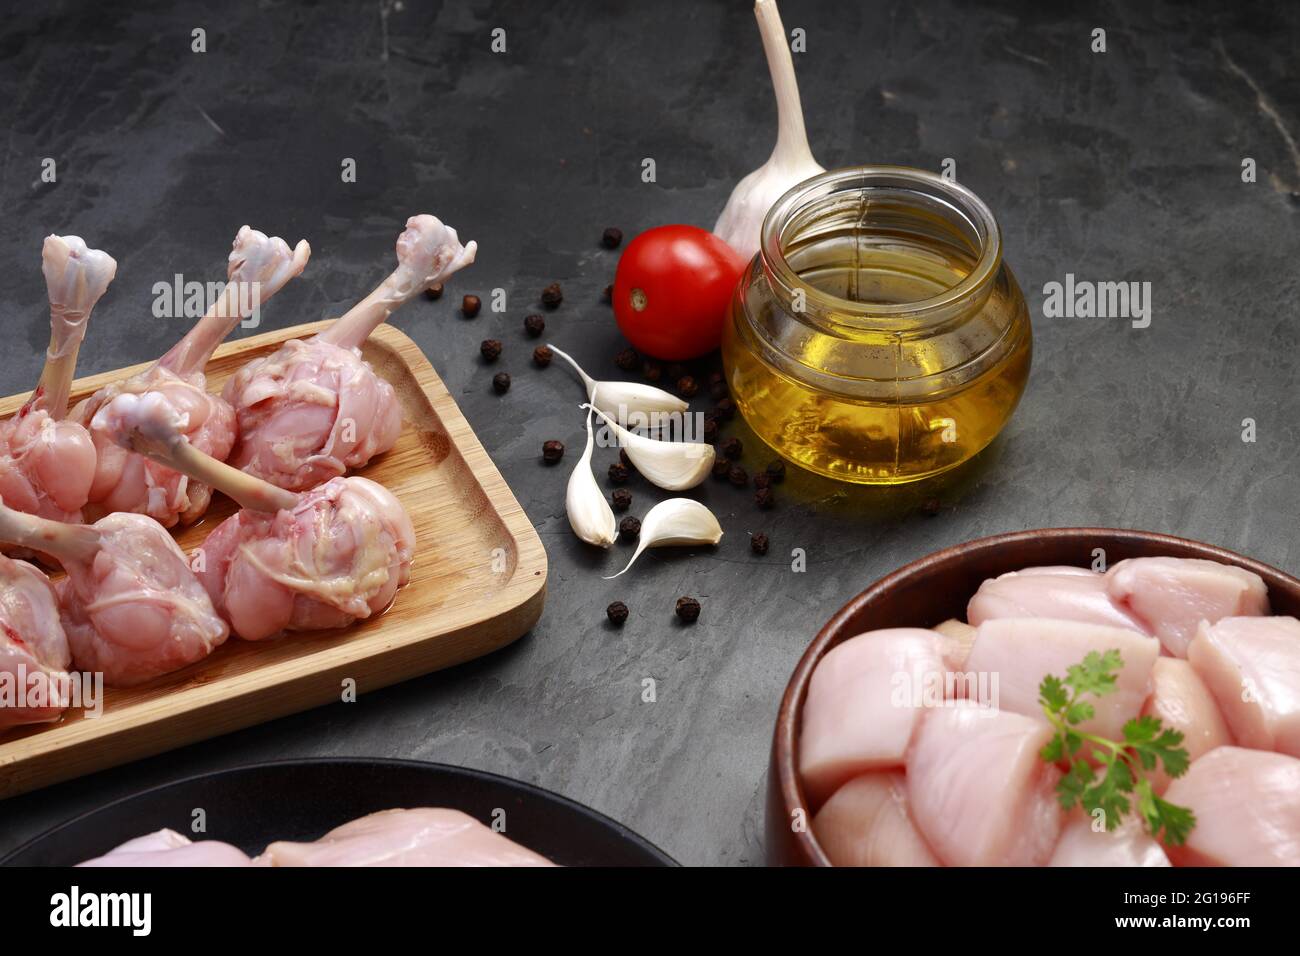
(1116, 166)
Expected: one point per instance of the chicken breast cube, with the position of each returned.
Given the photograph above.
(1062, 593)
(1182, 702)
(169, 848)
(978, 791)
(425, 836)
(1173, 595)
(1252, 667)
(1086, 842)
(862, 705)
(867, 823)
(1022, 652)
(1247, 806)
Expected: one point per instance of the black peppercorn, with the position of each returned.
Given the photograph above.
(688, 609)
(612, 238)
(738, 476)
(720, 468)
(776, 470)
(719, 390)
(652, 371)
(469, 306)
(608, 294)
(675, 371)
(725, 410)
(501, 382)
(618, 473)
(717, 378)
(542, 356)
(623, 457)
(552, 295)
(433, 293)
(686, 386)
(622, 499)
(534, 325)
(732, 448)
(764, 498)
(552, 451)
(617, 613)
(490, 349)
(629, 528)
(710, 434)
(627, 360)
(932, 507)
(758, 543)
(762, 479)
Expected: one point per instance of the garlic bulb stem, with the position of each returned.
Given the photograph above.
(791, 148)
(671, 465)
(623, 400)
(589, 513)
(677, 521)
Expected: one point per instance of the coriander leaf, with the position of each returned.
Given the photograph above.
(1079, 711)
(1052, 694)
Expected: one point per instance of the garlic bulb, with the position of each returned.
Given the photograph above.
(672, 465)
(626, 399)
(675, 521)
(791, 161)
(589, 512)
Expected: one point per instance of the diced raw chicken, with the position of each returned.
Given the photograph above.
(958, 637)
(978, 791)
(1021, 652)
(1252, 666)
(867, 823)
(1247, 806)
(424, 836)
(34, 650)
(169, 848)
(863, 704)
(1182, 702)
(1173, 595)
(1083, 843)
(1063, 593)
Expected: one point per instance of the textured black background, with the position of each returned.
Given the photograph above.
(1115, 166)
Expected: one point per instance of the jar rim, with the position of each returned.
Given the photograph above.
(822, 187)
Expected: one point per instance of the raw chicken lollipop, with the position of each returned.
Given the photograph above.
(132, 608)
(313, 409)
(289, 561)
(47, 463)
(33, 647)
(258, 268)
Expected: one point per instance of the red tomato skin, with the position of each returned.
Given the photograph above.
(687, 276)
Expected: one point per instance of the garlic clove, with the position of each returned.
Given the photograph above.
(791, 162)
(589, 513)
(624, 400)
(671, 465)
(676, 521)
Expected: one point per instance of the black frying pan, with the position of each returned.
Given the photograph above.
(252, 806)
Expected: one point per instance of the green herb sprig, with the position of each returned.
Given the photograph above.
(1119, 774)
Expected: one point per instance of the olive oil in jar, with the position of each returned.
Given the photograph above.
(877, 337)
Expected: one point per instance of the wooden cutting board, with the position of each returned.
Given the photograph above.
(478, 583)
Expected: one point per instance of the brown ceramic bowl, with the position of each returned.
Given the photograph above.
(933, 589)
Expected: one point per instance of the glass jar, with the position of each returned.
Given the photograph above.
(878, 337)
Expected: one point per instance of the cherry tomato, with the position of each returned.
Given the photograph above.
(672, 290)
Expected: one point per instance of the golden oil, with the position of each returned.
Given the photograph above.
(878, 337)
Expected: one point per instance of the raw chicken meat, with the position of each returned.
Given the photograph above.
(1182, 702)
(425, 836)
(863, 701)
(258, 268)
(1064, 593)
(867, 823)
(288, 561)
(1086, 842)
(1252, 666)
(46, 462)
(33, 647)
(958, 639)
(1247, 806)
(313, 409)
(169, 848)
(132, 608)
(978, 791)
(1021, 652)
(1173, 595)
